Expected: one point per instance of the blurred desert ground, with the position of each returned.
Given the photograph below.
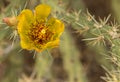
(16, 64)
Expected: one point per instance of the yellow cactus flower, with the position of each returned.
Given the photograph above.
(37, 31)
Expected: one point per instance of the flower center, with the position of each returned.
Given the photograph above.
(40, 33)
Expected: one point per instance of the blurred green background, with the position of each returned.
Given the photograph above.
(74, 60)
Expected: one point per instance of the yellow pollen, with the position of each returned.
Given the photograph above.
(43, 31)
(39, 33)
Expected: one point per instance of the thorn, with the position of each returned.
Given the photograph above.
(34, 54)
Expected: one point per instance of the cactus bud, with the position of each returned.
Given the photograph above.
(11, 21)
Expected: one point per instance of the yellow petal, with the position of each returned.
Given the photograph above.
(25, 44)
(24, 20)
(37, 49)
(52, 44)
(42, 11)
(27, 14)
(56, 26)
